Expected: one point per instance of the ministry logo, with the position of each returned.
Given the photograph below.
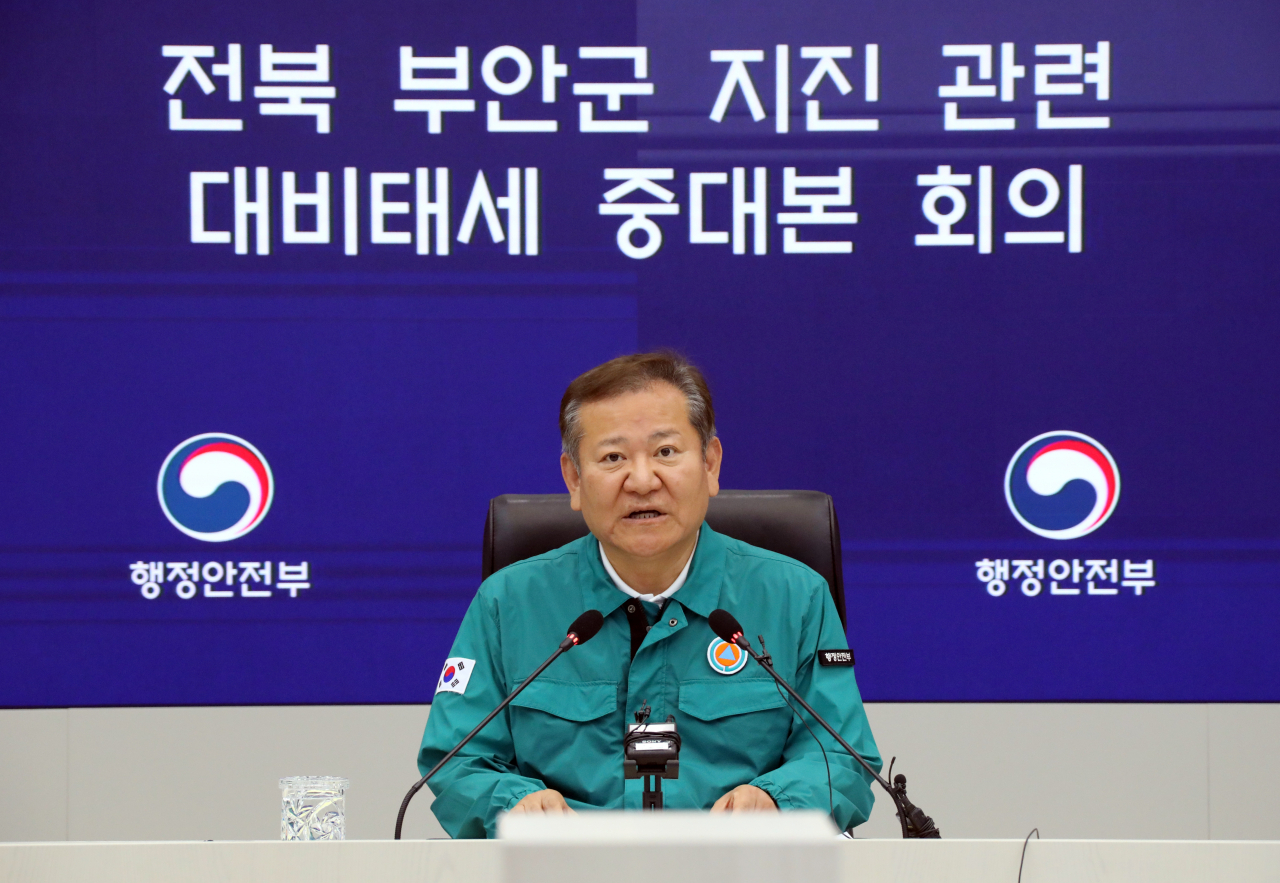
(215, 487)
(1062, 485)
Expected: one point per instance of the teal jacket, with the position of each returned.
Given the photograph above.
(565, 730)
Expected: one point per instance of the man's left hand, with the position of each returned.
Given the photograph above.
(745, 798)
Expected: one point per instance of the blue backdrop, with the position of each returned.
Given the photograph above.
(1104, 177)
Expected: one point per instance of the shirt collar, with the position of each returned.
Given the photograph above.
(700, 592)
(671, 589)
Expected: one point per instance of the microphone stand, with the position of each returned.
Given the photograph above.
(915, 824)
(571, 640)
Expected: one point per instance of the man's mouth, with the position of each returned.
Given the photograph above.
(643, 514)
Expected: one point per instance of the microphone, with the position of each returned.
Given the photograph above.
(583, 629)
(725, 625)
(915, 824)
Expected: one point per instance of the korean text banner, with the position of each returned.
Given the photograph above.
(289, 291)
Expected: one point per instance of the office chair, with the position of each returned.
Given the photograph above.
(798, 524)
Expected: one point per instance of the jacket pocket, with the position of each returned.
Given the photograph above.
(570, 700)
(713, 698)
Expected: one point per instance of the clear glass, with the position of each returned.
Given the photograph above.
(313, 808)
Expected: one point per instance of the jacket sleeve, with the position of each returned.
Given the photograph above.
(482, 780)
(801, 781)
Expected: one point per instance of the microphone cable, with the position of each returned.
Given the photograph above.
(831, 803)
(1023, 860)
(914, 822)
(583, 629)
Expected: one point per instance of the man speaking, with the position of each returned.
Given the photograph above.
(641, 461)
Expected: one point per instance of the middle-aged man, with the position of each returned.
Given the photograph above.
(641, 461)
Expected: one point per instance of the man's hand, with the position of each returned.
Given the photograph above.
(744, 798)
(548, 801)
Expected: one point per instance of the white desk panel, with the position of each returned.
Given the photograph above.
(431, 861)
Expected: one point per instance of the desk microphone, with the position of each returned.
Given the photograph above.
(584, 628)
(915, 824)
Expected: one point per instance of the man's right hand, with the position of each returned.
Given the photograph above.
(548, 801)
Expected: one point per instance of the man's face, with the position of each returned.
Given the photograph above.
(643, 485)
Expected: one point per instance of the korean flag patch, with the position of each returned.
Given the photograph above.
(456, 673)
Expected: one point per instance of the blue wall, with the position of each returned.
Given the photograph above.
(393, 393)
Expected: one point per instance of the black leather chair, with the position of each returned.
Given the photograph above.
(799, 524)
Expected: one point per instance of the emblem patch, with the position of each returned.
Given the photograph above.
(726, 658)
(456, 674)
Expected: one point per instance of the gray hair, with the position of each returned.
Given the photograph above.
(632, 374)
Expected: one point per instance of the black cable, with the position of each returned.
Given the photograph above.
(914, 822)
(1035, 831)
(831, 803)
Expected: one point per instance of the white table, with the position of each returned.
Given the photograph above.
(429, 861)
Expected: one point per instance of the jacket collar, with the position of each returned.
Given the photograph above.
(700, 592)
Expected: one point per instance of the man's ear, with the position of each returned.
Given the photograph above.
(715, 453)
(572, 481)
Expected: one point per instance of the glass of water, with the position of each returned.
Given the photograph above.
(313, 808)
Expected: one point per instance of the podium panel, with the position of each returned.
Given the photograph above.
(675, 847)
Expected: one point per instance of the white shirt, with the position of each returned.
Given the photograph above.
(671, 589)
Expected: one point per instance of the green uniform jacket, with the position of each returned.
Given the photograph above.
(565, 730)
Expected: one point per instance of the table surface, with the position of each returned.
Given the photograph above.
(428, 861)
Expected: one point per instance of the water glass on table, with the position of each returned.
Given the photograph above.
(313, 808)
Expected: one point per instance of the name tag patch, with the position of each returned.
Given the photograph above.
(455, 675)
(835, 657)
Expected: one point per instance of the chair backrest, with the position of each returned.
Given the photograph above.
(798, 524)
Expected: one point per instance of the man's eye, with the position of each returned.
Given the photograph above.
(667, 451)
(613, 458)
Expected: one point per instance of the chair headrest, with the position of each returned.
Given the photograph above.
(798, 524)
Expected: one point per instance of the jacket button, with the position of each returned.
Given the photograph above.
(631, 608)
(673, 622)
(648, 628)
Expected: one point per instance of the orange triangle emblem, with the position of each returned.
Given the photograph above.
(725, 658)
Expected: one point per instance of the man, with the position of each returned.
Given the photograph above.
(641, 461)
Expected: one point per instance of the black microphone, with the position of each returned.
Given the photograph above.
(584, 628)
(915, 824)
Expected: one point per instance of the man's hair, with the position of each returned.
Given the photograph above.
(632, 374)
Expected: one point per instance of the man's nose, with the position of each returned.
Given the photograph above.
(642, 479)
